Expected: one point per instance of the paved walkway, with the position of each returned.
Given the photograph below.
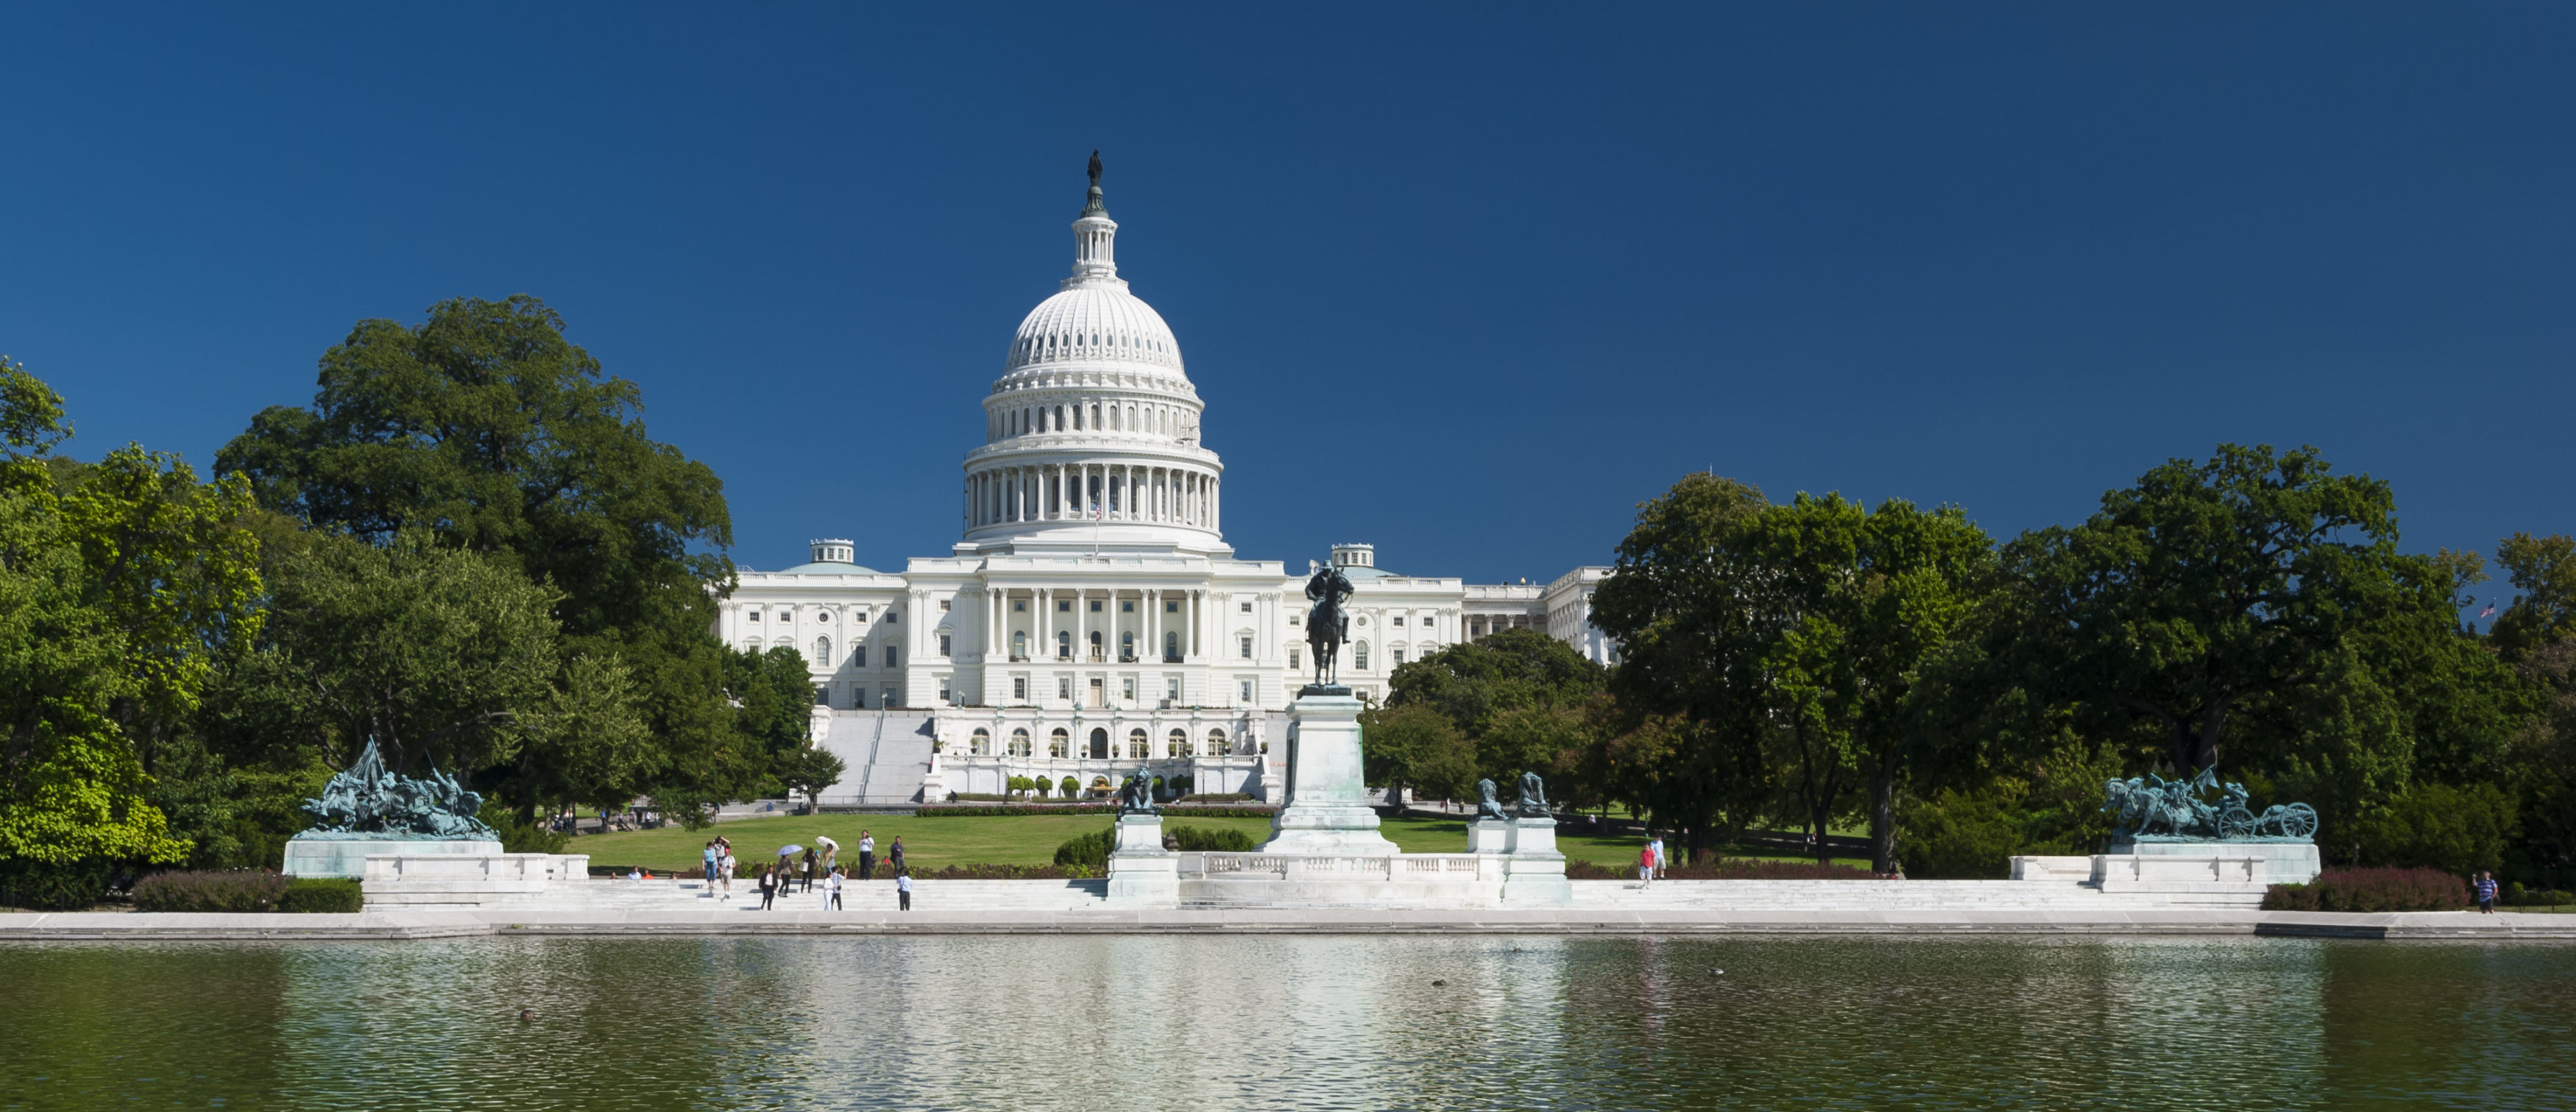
(932, 920)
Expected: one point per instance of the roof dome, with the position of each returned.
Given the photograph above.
(1095, 323)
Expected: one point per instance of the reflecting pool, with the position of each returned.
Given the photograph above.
(1304, 1022)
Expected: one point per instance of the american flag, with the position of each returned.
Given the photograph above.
(2489, 612)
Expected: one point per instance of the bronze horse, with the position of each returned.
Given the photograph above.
(1327, 626)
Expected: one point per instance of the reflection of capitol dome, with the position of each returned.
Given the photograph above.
(1091, 434)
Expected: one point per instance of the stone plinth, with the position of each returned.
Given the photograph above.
(2282, 862)
(1141, 872)
(1533, 871)
(1327, 813)
(346, 856)
(1489, 836)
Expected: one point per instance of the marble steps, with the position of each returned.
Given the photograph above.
(1920, 894)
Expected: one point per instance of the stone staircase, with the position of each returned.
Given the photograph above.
(609, 894)
(1928, 895)
(885, 756)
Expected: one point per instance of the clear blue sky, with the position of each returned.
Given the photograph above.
(1531, 264)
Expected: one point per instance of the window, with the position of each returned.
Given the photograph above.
(1247, 691)
(944, 696)
(890, 618)
(785, 616)
(1019, 606)
(1064, 644)
(943, 608)
(1020, 687)
(1095, 644)
(1216, 743)
(1064, 606)
(1095, 606)
(982, 740)
(1246, 607)
(1127, 645)
(1059, 744)
(1292, 660)
(1359, 655)
(1177, 745)
(893, 656)
(1172, 688)
(944, 646)
(1427, 623)
(753, 615)
(1126, 606)
(822, 652)
(825, 616)
(1136, 748)
(1019, 644)
(823, 696)
(858, 697)
(1171, 647)
(1063, 689)
(1395, 656)
(1399, 619)
(1245, 643)
(752, 646)
(1171, 608)
(1099, 692)
(1020, 742)
(1099, 745)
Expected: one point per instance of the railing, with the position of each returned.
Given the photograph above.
(1410, 866)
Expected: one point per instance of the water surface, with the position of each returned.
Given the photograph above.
(1116, 1023)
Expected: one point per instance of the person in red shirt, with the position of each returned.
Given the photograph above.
(1646, 865)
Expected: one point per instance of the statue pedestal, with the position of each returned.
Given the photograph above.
(1141, 872)
(1327, 812)
(345, 855)
(1489, 836)
(1534, 872)
(2240, 861)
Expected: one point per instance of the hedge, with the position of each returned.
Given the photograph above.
(238, 891)
(324, 896)
(51, 886)
(1211, 839)
(2372, 890)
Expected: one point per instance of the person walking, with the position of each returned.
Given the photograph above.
(1657, 845)
(808, 868)
(903, 891)
(1646, 866)
(867, 856)
(724, 866)
(832, 890)
(768, 886)
(894, 855)
(707, 873)
(2486, 893)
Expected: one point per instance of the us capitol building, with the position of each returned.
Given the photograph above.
(1093, 622)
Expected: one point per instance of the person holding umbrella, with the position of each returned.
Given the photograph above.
(831, 851)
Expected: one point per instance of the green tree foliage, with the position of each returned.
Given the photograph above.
(109, 591)
(484, 427)
(2543, 569)
(2459, 830)
(1416, 746)
(807, 770)
(1518, 701)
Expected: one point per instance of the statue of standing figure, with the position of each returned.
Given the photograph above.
(1327, 625)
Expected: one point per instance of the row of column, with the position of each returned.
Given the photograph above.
(997, 622)
(1079, 491)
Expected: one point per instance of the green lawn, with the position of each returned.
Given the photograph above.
(1014, 840)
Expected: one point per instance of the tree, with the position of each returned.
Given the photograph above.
(484, 427)
(1416, 746)
(2204, 587)
(2544, 570)
(809, 770)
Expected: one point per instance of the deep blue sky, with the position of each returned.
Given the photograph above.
(1531, 264)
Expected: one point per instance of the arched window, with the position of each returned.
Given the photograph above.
(1171, 647)
(1064, 644)
(1216, 743)
(981, 743)
(1019, 644)
(1127, 645)
(822, 652)
(1099, 744)
(1095, 644)
(1177, 745)
(1020, 742)
(1059, 744)
(1359, 655)
(1136, 748)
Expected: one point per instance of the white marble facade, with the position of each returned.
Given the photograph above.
(1093, 620)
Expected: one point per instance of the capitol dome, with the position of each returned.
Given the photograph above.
(1091, 435)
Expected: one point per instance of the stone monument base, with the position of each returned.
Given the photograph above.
(1533, 871)
(1489, 836)
(1141, 871)
(2282, 862)
(345, 855)
(1327, 814)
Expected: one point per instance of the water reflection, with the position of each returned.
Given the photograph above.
(1289, 1022)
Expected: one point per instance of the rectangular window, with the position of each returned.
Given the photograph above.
(1127, 689)
(1292, 660)
(1396, 655)
(1064, 687)
(1247, 691)
(1019, 606)
(1126, 607)
(822, 696)
(943, 608)
(1399, 619)
(1020, 688)
(890, 658)
(889, 617)
(1247, 607)
(1172, 688)
(858, 697)
(944, 645)
(1064, 606)
(1171, 608)
(1095, 606)
(1247, 648)
(753, 615)
(943, 689)
(1099, 692)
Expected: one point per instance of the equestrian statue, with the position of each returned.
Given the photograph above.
(1327, 626)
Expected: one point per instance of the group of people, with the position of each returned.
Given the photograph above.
(793, 873)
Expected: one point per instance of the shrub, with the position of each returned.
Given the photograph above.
(1040, 786)
(2372, 890)
(1088, 850)
(323, 896)
(1959, 836)
(54, 886)
(1005, 872)
(2519, 896)
(1068, 787)
(1205, 839)
(985, 812)
(239, 891)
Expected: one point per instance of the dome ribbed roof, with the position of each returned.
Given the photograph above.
(1096, 324)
